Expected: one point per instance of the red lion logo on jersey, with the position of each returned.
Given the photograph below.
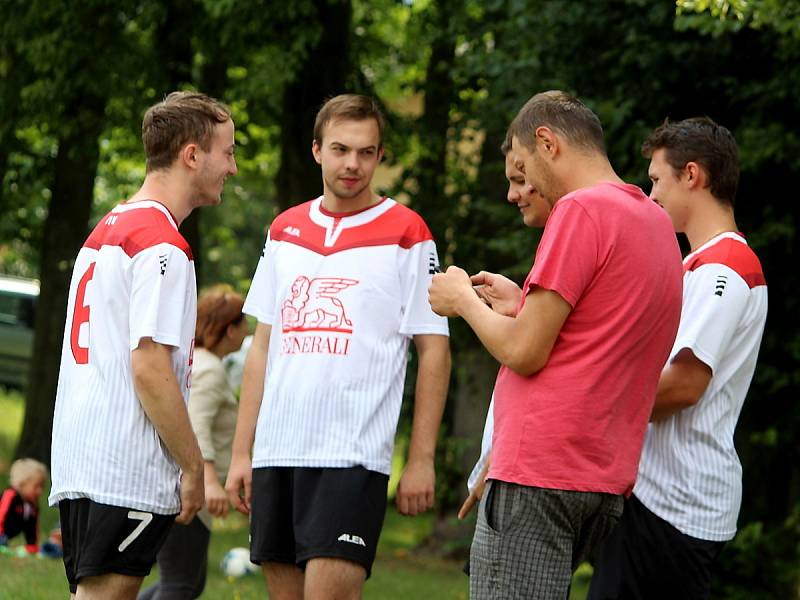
(313, 304)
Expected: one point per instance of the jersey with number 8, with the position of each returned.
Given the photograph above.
(133, 278)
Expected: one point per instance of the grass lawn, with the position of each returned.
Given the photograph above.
(400, 572)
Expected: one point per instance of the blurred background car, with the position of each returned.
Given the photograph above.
(17, 314)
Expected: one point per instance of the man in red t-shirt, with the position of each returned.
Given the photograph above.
(581, 358)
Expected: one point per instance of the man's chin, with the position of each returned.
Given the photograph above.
(208, 201)
(348, 193)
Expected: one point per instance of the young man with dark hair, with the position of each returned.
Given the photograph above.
(340, 290)
(124, 458)
(580, 358)
(689, 489)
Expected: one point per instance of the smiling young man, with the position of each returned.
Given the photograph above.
(339, 292)
(689, 489)
(502, 295)
(124, 460)
(580, 356)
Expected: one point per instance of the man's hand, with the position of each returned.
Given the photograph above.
(476, 493)
(447, 291)
(474, 497)
(239, 483)
(216, 499)
(415, 490)
(499, 292)
(191, 496)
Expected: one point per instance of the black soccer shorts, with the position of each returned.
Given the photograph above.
(300, 513)
(100, 539)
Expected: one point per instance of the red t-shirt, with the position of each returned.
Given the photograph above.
(578, 424)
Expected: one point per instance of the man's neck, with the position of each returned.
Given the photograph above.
(709, 218)
(166, 190)
(335, 204)
(593, 170)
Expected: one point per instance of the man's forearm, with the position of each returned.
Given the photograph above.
(494, 330)
(252, 392)
(433, 377)
(161, 399)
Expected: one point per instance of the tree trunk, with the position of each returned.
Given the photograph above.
(174, 41)
(434, 123)
(324, 73)
(10, 85)
(64, 232)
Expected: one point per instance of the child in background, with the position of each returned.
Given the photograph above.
(19, 505)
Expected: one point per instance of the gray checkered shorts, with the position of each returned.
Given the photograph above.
(529, 540)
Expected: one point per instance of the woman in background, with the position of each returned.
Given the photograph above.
(221, 327)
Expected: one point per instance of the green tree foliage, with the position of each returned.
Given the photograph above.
(764, 559)
(635, 63)
(451, 76)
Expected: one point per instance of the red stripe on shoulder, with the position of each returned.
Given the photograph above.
(403, 224)
(136, 230)
(734, 255)
(399, 226)
(291, 220)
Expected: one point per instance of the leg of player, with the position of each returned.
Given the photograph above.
(334, 579)
(112, 585)
(284, 581)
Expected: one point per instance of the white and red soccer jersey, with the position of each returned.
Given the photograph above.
(689, 473)
(133, 278)
(343, 294)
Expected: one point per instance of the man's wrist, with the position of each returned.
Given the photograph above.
(421, 458)
(195, 469)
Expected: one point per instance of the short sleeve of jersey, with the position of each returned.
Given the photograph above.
(416, 272)
(566, 260)
(260, 301)
(714, 299)
(161, 276)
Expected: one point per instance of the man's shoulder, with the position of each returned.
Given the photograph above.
(401, 218)
(290, 219)
(136, 229)
(734, 254)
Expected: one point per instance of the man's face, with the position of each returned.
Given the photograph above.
(532, 206)
(215, 165)
(348, 154)
(667, 190)
(537, 172)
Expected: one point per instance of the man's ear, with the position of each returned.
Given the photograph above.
(547, 141)
(695, 175)
(316, 151)
(188, 155)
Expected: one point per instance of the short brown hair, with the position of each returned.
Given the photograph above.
(699, 140)
(348, 107)
(562, 113)
(217, 307)
(505, 147)
(180, 118)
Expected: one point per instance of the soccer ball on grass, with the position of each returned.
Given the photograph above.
(236, 563)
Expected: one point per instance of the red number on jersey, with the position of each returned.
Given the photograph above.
(80, 315)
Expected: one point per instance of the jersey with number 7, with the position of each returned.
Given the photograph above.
(133, 278)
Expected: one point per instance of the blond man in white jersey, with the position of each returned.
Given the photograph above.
(125, 461)
(340, 291)
(689, 488)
